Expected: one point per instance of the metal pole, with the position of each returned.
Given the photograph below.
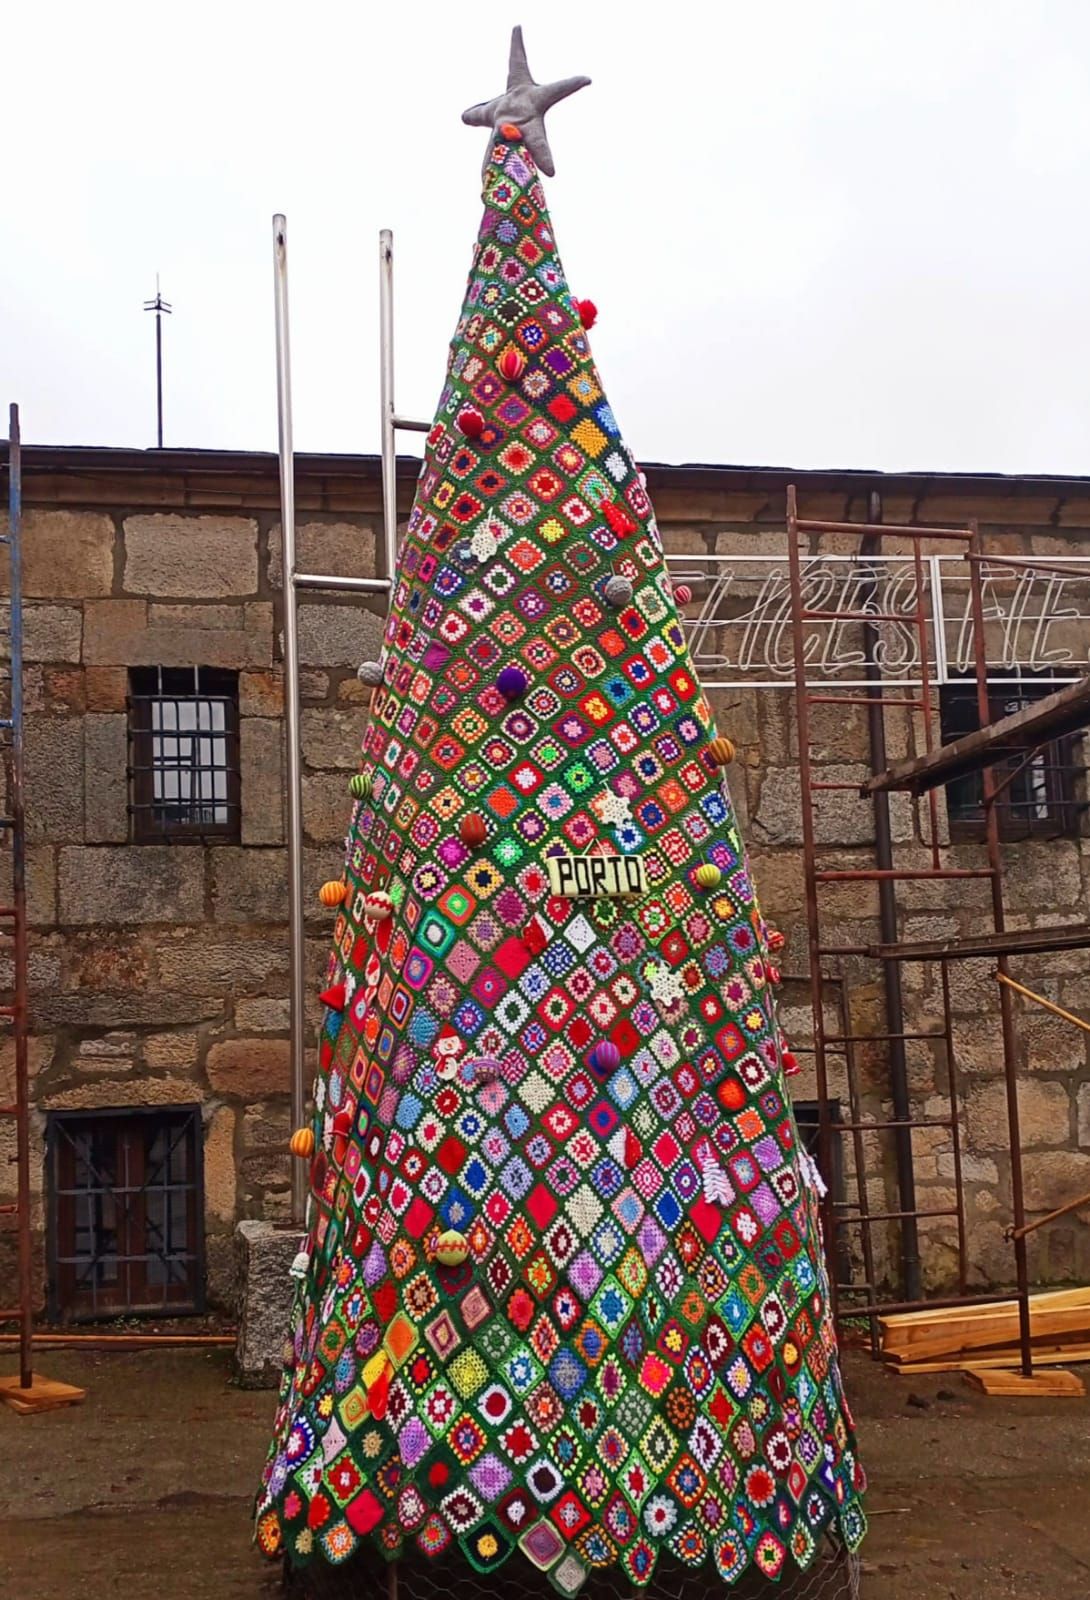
(159, 374)
(999, 922)
(809, 857)
(19, 930)
(291, 709)
(871, 546)
(386, 380)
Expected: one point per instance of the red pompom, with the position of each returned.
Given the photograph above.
(334, 997)
(588, 313)
(471, 422)
(790, 1062)
(632, 1151)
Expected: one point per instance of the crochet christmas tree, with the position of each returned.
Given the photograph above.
(562, 1297)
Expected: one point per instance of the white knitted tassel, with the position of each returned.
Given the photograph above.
(811, 1175)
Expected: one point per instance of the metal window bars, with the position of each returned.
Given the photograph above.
(125, 1231)
(184, 769)
(294, 581)
(1032, 729)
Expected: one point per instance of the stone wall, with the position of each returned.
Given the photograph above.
(159, 972)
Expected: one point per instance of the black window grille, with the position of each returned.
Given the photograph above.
(126, 1231)
(183, 754)
(1038, 791)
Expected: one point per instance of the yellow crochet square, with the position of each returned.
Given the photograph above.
(467, 1372)
(589, 437)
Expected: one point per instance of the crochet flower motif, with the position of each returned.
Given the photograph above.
(612, 809)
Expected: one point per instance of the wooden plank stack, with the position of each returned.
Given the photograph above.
(984, 1338)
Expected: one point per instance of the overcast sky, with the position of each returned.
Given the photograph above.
(819, 233)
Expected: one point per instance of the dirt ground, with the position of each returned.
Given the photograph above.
(145, 1489)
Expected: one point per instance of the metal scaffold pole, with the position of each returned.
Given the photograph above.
(28, 1392)
(291, 708)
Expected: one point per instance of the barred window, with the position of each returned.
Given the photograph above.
(183, 754)
(125, 1195)
(1039, 790)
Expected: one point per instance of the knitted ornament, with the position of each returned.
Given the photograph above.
(473, 830)
(512, 683)
(605, 1058)
(566, 1300)
(333, 893)
(682, 594)
(484, 1069)
(377, 905)
(301, 1143)
(588, 313)
(707, 875)
(359, 785)
(470, 422)
(451, 1248)
(618, 592)
(370, 672)
(721, 751)
(334, 997)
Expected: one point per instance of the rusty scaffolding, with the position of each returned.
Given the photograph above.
(27, 1391)
(1019, 738)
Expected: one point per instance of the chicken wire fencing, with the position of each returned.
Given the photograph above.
(833, 1575)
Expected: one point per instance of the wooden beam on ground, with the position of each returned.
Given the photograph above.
(1061, 1356)
(43, 1394)
(1063, 712)
(1049, 1326)
(1059, 1385)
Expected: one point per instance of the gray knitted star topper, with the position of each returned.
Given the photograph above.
(524, 103)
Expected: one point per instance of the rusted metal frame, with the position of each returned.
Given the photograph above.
(875, 874)
(1024, 941)
(891, 1308)
(855, 1128)
(1006, 1009)
(1060, 1211)
(1016, 772)
(861, 700)
(1039, 999)
(892, 1122)
(19, 929)
(1042, 722)
(857, 616)
(1057, 569)
(891, 530)
(925, 695)
(955, 1126)
(809, 856)
(881, 1038)
(891, 1216)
